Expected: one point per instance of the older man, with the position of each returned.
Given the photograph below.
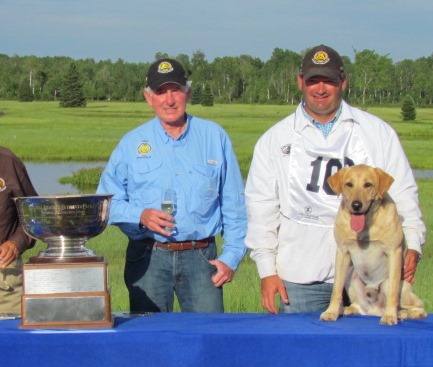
(175, 252)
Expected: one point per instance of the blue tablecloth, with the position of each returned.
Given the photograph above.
(207, 340)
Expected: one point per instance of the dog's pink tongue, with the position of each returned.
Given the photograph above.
(357, 222)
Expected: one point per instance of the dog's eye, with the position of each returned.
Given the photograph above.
(368, 185)
(349, 184)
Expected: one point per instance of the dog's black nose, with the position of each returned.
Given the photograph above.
(356, 205)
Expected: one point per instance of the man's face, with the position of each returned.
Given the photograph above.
(322, 96)
(169, 103)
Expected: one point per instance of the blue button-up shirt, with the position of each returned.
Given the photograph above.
(200, 165)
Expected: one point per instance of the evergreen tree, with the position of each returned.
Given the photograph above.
(196, 96)
(408, 111)
(72, 94)
(207, 96)
(25, 93)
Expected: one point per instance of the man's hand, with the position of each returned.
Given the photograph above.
(271, 286)
(8, 253)
(223, 275)
(157, 221)
(410, 264)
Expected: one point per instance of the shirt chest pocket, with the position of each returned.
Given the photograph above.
(203, 199)
(144, 182)
(206, 179)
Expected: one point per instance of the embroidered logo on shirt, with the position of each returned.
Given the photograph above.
(286, 149)
(144, 148)
(2, 185)
(212, 161)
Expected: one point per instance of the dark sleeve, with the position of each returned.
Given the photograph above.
(24, 188)
(15, 182)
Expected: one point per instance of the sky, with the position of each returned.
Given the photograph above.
(136, 30)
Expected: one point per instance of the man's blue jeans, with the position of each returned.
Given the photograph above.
(153, 275)
(307, 297)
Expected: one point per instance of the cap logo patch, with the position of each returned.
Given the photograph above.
(320, 58)
(165, 67)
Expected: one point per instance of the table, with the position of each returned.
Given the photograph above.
(207, 340)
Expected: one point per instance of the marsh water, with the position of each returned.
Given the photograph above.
(428, 174)
(45, 176)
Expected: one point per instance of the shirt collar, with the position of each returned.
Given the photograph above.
(325, 128)
(182, 137)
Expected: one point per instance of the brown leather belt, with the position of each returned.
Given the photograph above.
(185, 245)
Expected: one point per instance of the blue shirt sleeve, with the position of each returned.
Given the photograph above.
(233, 212)
(113, 181)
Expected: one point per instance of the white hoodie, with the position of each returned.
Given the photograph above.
(291, 209)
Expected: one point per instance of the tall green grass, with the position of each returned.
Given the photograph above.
(424, 275)
(41, 131)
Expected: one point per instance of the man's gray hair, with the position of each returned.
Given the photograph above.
(185, 88)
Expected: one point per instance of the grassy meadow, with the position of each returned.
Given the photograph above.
(42, 132)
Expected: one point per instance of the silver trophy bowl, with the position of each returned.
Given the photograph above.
(65, 223)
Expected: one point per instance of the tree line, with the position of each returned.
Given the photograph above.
(373, 79)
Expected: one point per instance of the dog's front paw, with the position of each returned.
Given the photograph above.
(416, 313)
(388, 319)
(329, 316)
(351, 310)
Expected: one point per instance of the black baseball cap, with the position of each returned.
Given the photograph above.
(165, 71)
(322, 61)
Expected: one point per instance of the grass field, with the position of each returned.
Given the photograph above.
(41, 131)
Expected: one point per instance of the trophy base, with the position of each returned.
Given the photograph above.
(65, 295)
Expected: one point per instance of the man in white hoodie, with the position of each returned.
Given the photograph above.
(291, 208)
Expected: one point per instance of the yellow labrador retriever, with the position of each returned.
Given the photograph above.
(369, 236)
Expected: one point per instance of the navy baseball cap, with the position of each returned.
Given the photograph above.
(165, 71)
(322, 61)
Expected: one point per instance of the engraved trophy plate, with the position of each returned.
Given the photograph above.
(65, 286)
(64, 279)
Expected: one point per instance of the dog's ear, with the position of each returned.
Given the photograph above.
(335, 181)
(385, 181)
